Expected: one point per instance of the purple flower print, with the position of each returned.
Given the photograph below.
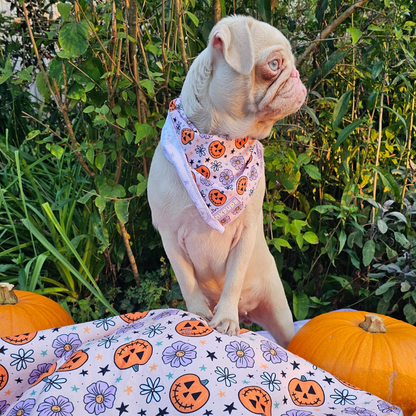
(129, 327)
(3, 407)
(385, 407)
(165, 313)
(225, 220)
(240, 353)
(179, 353)
(204, 181)
(100, 397)
(358, 411)
(35, 374)
(272, 353)
(226, 177)
(66, 344)
(253, 173)
(23, 408)
(237, 161)
(52, 406)
(237, 209)
(297, 413)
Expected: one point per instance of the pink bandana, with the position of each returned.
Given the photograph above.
(219, 173)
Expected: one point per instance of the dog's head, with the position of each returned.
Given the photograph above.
(244, 81)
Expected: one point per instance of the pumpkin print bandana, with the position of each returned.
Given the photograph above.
(219, 173)
(166, 362)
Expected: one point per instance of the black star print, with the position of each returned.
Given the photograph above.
(84, 373)
(122, 408)
(208, 413)
(162, 412)
(18, 380)
(329, 380)
(142, 412)
(211, 355)
(2, 350)
(169, 336)
(229, 408)
(191, 162)
(199, 161)
(136, 332)
(295, 365)
(209, 205)
(104, 370)
(329, 414)
(207, 159)
(250, 375)
(218, 339)
(170, 322)
(42, 337)
(232, 151)
(283, 374)
(284, 400)
(310, 373)
(55, 330)
(214, 177)
(183, 315)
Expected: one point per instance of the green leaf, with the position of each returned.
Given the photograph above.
(84, 199)
(64, 10)
(385, 287)
(77, 92)
(42, 86)
(121, 207)
(57, 151)
(142, 130)
(299, 241)
(402, 240)
(100, 161)
(89, 109)
(122, 122)
(382, 226)
(194, 19)
(410, 313)
(311, 113)
(347, 131)
(25, 74)
(303, 159)
(342, 240)
(7, 71)
(141, 188)
(32, 134)
(300, 305)
(265, 10)
(355, 34)
(311, 237)
(129, 136)
(149, 85)
(368, 252)
(100, 203)
(313, 172)
(388, 180)
(73, 37)
(340, 109)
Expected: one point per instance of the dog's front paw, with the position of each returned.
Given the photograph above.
(201, 309)
(225, 325)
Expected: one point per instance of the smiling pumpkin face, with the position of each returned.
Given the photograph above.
(305, 392)
(188, 393)
(256, 400)
(193, 328)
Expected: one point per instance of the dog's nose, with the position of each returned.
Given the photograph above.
(294, 73)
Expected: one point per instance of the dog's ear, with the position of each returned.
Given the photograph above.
(234, 41)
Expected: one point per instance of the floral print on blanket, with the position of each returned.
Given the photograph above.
(166, 362)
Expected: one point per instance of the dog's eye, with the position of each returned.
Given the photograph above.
(274, 65)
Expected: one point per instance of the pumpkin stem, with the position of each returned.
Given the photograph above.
(373, 324)
(7, 295)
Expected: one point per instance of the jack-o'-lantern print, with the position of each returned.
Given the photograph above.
(239, 143)
(241, 185)
(216, 149)
(256, 400)
(75, 361)
(133, 354)
(346, 384)
(187, 135)
(193, 328)
(204, 171)
(20, 339)
(45, 374)
(217, 197)
(305, 392)
(188, 393)
(172, 105)
(133, 316)
(4, 377)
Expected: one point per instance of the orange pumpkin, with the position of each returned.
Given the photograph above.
(256, 400)
(187, 135)
(4, 377)
(216, 149)
(188, 393)
(193, 328)
(239, 143)
(133, 354)
(217, 197)
(75, 361)
(305, 392)
(241, 185)
(47, 373)
(376, 353)
(20, 339)
(26, 312)
(133, 316)
(204, 171)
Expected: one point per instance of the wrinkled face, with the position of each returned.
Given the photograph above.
(277, 90)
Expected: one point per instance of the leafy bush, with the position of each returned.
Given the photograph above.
(339, 212)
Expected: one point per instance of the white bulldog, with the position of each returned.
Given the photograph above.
(236, 89)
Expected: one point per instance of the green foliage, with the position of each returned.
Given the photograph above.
(340, 207)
